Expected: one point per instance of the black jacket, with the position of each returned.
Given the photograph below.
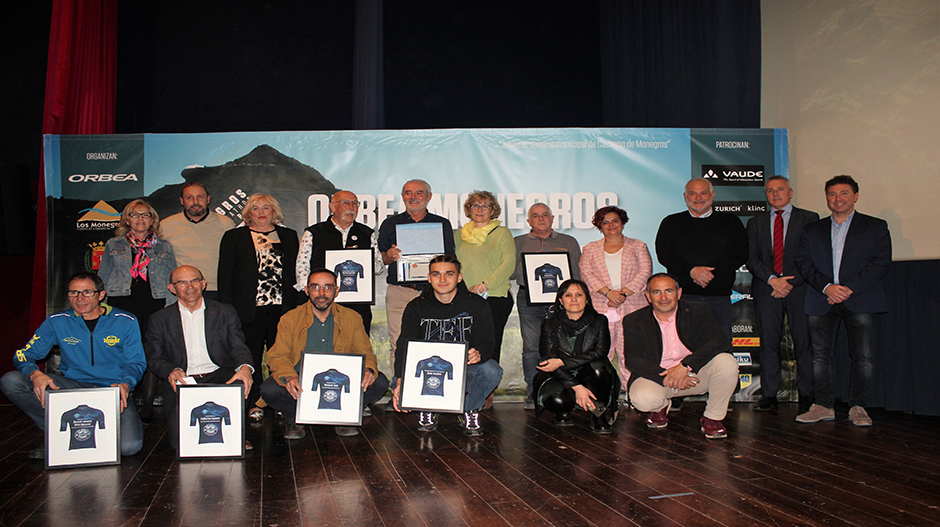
(238, 271)
(466, 319)
(643, 340)
(593, 343)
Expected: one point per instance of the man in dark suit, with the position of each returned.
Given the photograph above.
(196, 340)
(773, 238)
(844, 259)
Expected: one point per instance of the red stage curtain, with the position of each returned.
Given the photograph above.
(81, 88)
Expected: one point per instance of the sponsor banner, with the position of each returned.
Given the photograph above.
(743, 209)
(725, 175)
(89, 180)
(111, 167)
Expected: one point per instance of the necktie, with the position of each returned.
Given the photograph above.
(778, 243)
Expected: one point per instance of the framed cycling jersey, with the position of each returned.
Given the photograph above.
(434, 378)
(355, 274)
(543, 273)
(332, 389)
(83, 427)
(212, 423)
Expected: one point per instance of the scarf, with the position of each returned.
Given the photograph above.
(473, 235)
(139, 267)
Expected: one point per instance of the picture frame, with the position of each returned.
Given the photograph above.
(419, 243)
(332, 389)
(439, 381)
(83, 427)
(543, 273)
(355, 274)
(212, 421)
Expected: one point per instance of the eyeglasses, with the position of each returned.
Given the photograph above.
(480, 206)
(135, 215)
(347, 203)
(87, 293)
(186, 283)
(327, 288)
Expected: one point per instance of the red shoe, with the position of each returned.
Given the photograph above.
(657, 420)
(713, 429)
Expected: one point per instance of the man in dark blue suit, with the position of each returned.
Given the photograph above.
(844, 259)
(197, 340)
(773, 238)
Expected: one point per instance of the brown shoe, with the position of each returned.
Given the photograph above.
(859, 416)
(817, 413)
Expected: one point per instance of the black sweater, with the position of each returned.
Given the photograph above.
(466, 319)
(718, 241)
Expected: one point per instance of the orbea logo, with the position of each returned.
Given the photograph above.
(101, 178)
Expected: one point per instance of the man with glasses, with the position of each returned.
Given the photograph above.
(339, 231)
(196, 341)
(100, 346)
(415, 195)
(319, 326)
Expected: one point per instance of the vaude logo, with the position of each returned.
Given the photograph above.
(734, 174)
(101, 178)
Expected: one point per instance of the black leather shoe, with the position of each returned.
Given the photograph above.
(676, 404)
(563, 419)
(599, 425)
(766, 403)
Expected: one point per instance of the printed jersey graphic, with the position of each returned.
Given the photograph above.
(550, 276)
(332, 383)
(434, 369)
(454, 329)
(82, 419)
(209, 418)
(349, 273)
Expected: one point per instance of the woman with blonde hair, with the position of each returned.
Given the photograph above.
(135, 268)
(488, 256)
(256, 276)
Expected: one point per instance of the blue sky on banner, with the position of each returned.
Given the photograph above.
(574, 170)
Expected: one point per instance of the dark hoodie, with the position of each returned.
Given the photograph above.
(466, 319)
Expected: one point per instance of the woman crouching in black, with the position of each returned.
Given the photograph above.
(574, 368)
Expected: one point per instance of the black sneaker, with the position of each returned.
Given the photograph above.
(427, 422)
(471, 423)
(677, 403)
(563, 419)
(765, 404)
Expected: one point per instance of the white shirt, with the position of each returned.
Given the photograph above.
(194, 334)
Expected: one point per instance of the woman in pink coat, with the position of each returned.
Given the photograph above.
(616, 268)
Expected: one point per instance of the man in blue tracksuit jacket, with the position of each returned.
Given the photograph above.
(100, 346)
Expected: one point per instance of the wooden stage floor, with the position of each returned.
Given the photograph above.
(771, 471)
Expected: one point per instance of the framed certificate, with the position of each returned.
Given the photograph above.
(332, 389)
(355, 274)
(419, 243)
(83, 427)
(543, 273)
(212, 420)
(435, 377)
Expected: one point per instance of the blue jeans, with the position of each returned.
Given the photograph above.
(530, 324)
(482, 379)
(860, 329)
(19, 390)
